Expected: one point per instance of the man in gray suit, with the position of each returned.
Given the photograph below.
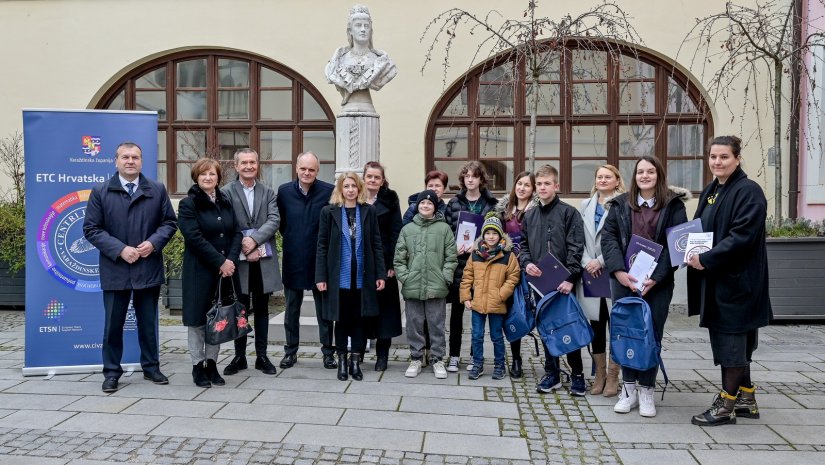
(256, 211)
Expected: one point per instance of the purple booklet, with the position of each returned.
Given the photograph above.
(553, 273)
(265, 249)
(677, 238)
(467, 229)
(596, 287)
(640, 244)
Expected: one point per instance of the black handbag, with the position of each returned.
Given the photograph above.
(226, 323)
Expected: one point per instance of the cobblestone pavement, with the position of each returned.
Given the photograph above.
(304, 416)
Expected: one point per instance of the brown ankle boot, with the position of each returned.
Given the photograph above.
(720, 412)
(600, 361)
(611, 385)
(745, 406)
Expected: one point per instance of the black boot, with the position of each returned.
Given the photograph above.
(238, 363)
(212, 373)
(199, 376)
(720, 412)
(342, 367)
(745, 406)
(515, 368)
(355, 367)
(381, 363)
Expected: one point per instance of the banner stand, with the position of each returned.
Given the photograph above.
(48, 372)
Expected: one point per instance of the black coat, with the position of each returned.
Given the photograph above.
(115, 220)
(559, 225)
(388, 214)
(328, 261)
(731, 293)
(459, 204)
(211, 235)
(299, 229)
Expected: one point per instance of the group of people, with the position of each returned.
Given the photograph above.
(349, 245)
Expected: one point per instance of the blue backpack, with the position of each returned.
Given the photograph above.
(633, 342)
(561, 324)
(521, 313)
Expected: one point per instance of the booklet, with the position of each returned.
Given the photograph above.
(698, 243)
(596, 287)
(642, 268)
(264, 249)
(553, 273)
(677, 238)
(640, 244)
(468, 229)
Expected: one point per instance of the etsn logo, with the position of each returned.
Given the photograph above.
(54, 310)
(91, 145)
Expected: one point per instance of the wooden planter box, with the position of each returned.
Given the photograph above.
(12, 288)
(797, 277)
(173, 294)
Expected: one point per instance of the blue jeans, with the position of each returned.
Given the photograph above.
(496, 335)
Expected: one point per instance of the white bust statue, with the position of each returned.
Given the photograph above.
(358, 67)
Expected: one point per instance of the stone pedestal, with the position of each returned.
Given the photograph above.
(357, 136)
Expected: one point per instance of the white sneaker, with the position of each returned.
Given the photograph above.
(452, 367)
(414, 369)
(628, 399)
(647, 406)
(439, 370)
(470, 367)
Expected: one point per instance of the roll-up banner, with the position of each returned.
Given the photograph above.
(67, 152)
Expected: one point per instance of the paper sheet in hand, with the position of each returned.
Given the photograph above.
(677, 238)
(468, 229)
(639, 244)
(698, 243)
(642, 268)
(553, 273)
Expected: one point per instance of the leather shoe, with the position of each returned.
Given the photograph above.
(288, 361)
(329, 362)
(381, 364)
(238, 363)
(110, 385)
(515, 369)
(262, 363)
(156, 377)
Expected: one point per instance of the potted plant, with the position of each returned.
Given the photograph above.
(173, 262)
(796, 259)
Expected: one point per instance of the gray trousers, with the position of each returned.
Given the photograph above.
(434, 312)
(199, 350)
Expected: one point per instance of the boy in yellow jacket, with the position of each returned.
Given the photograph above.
(491, 275)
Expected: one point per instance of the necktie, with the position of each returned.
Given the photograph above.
(131, 188)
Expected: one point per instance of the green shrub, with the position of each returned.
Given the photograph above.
(13, 235)
(173, 256)
(801, 227)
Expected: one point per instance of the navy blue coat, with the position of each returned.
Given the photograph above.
(115, 220)
(300, 215)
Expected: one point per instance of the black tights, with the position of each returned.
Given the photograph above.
(733, 377)
(382, 347)
(600, 334)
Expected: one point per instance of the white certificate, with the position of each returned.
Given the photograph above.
(698, 243)
(466, 235)
(642, 268)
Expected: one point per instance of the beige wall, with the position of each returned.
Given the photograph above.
(65, 53)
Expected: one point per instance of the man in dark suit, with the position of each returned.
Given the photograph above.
(129, 219)
(300, 203)
(256, 211)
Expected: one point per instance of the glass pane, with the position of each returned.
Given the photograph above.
(162, 146)
(685, 173)
(637, 97)
(270, 78)
(162, 174)
(184, 177)
(458, 106)
(230, 141)
(233, 104)
(452, 168)
(549, 99)
(190, 145)
(233, 73)
(637, 140)
(548, 140)
(626, 168)
(589, 141)
(495, 142)
(495, 99)
(632, 68)
(589, 65)
(312, 109)
(118, 102)
(276, 145)
(327, 172)
(450, 142)
(191, 105)
(151, 101)
(550, 67)
(685, 140)
(192, 73)
(590, 98)
(275, 174)
(584, 172)
(500, 74)
(499, 174)
(678, 100)
(321, 143)
(276, 104)
(152, 80)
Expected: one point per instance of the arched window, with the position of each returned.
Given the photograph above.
(593, 107)
(212, 102)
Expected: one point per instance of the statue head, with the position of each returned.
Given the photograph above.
(359, 20)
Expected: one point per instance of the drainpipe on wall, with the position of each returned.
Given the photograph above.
(796, 114)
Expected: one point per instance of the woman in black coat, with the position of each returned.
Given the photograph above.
(435, 181)
(212, 241)
(728, 285)
(388, 214)
(349, 269)
(647, 211)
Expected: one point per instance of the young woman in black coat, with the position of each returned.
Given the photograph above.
(388, 214)
(212, 242)
(647, 211)
(349, 269)
(728, 285)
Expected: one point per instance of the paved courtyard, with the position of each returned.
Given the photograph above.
(303, 415)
